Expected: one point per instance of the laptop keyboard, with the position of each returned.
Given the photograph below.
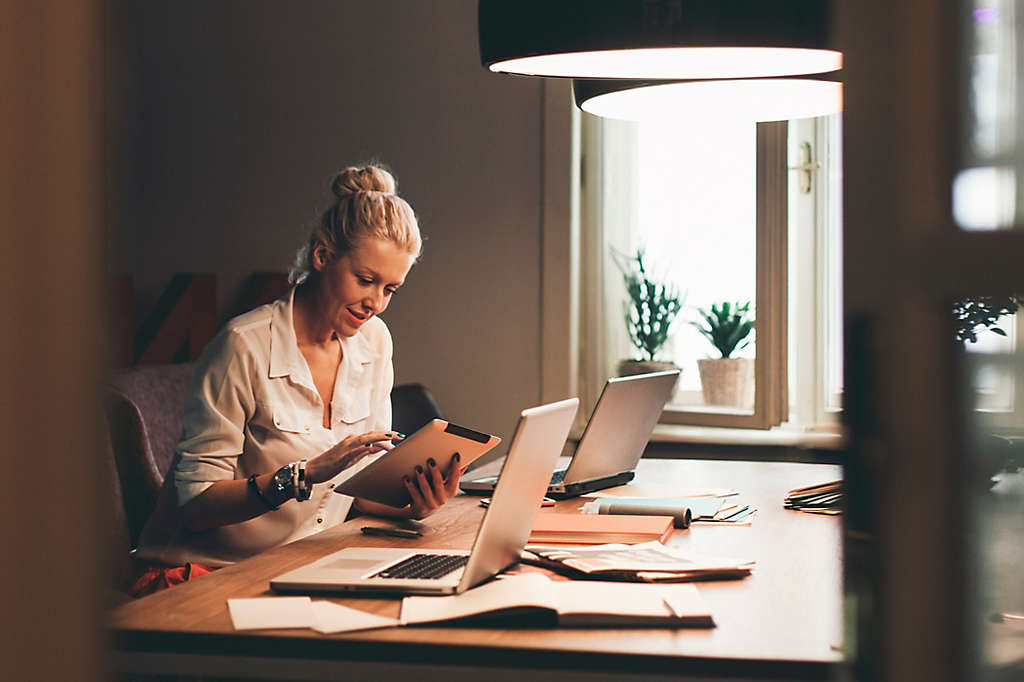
(424, 566)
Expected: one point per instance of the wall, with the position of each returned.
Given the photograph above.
(236, 114)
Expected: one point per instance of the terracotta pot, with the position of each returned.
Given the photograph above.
(727, 381)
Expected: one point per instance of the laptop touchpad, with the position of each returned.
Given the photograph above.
(353, 564)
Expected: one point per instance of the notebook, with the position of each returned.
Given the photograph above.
(613, 441)
(538, 440)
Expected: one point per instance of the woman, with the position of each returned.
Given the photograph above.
(291, 398)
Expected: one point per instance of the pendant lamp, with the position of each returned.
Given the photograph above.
(656, 39)
(750, 99)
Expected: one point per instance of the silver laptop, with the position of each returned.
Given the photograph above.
(536, 445)
(613, 441)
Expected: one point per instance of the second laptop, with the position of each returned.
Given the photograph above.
(614, 440)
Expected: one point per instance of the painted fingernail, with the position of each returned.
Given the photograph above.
(405, 479)
(419, 469)
(457, 458)
(431, 462)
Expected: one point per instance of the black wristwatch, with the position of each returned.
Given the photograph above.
(290, 481)
(282, 481)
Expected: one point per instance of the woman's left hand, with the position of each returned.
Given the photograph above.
(429, 488)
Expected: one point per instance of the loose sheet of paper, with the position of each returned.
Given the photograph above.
(261, 613)
(265, 613)
(332, 618)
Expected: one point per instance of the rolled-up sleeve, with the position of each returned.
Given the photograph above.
(219, 402)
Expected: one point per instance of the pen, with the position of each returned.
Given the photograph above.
(393, 532)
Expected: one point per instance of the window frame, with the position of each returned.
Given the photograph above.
(574, 272)
(770, 364)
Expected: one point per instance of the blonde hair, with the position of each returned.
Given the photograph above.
(365, 206)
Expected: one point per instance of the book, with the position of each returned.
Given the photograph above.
(645, 562)
(598, 529)
(570, 602)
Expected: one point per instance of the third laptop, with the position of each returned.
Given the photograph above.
(615, 437)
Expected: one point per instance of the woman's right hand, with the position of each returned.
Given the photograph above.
(347, 452)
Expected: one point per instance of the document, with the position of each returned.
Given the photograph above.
(645, 562)
(331, 618)
(570, 602)
(265, 613)
(277, 613)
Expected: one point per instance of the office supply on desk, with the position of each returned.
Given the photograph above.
(292, 613)
(570, 602)
(725, 509)
(438, 440)
(330, 618)
(634, 506)
(736, 513)
(536, 444)
(264, 613)
(592, 529)
(645, 562)
(824, 498)
(546, 502)
(391, 532)
(613, 441)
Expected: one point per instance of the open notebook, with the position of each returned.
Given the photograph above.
(536, 445)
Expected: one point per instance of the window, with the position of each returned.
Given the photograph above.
(724, 211)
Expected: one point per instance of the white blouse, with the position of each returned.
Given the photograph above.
(251, 408)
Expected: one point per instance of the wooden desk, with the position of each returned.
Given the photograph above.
(784, 622)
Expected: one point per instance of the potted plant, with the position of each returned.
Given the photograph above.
(727, 380)
(651, 308)
(997, 453)
(976, 313)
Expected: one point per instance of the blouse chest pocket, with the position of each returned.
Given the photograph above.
(292, 420)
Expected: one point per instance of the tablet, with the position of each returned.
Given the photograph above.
(381, 481)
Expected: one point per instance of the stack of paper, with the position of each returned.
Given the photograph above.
(647, 562)
(825, 498)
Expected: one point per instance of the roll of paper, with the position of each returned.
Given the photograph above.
(610, 505)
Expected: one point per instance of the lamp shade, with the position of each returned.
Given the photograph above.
(751, 99)
(663, 39)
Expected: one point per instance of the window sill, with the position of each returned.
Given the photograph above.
(818, 440)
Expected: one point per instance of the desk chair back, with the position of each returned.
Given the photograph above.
(144, 407)
(412, 407)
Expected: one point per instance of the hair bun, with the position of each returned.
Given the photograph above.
(354, 180)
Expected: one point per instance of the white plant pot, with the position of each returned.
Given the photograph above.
(727, 381)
